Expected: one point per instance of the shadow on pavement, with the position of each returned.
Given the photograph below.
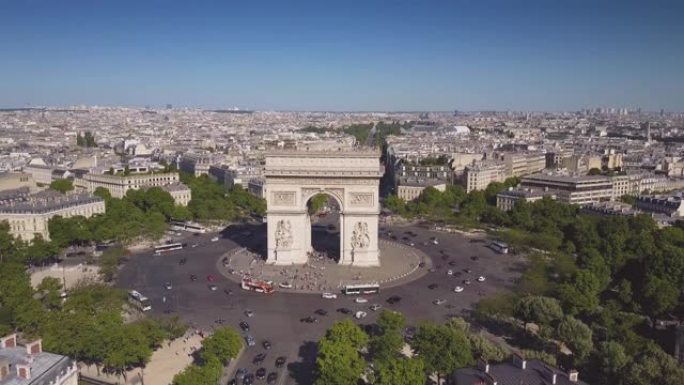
(302, 370)
(251, 236)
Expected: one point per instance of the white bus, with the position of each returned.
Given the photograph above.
(138, 300)
(169, 247)
(186, 226)
(365, 288)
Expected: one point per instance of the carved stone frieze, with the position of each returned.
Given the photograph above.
(284, 198)
(360, 236)
(361, 199)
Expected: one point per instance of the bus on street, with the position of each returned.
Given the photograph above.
(139, 301)
(364, 288)
(259, 286)
(166, 248)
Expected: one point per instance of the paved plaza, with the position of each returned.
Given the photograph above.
(398, 264)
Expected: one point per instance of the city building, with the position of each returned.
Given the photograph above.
(518, 371)
(180, 193)
(118, 185)
(572, 189)
(609, 209)
(257, 187)
(195, 164)
(479, 175)
(15, 180)
(411, 188)
(507, 199)
(41, 173)
(523, 164)
(671, 206)
(27, 364)
(28, 215)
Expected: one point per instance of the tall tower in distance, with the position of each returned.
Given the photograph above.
(648, 132)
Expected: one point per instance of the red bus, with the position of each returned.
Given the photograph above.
(259, 286)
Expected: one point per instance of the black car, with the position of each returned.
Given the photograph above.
(422, 264)
(321, 312)
(259, 358)
(433, 286)
(228, 291)
(240, 374)
(453, 263)
(280, 361)
(393, 299)
(193, 277)
(271, 379)
(244, 326)
(266, 344)
(248, 380)
(309, 320)
(344, 310)
(467, 271)
(261, 373)
(474, 257)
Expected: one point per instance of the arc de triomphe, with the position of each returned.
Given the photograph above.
(351, 178)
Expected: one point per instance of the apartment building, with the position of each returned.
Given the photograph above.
(507, 199)
(672, 206)
(29, 215)
(195, 164)
(27, 364)
(411, 188)
(15, 180)
(573, 189)
(523, 164)
(478, 176)
(118, 185)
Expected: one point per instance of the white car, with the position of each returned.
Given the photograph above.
(360, 314)
(439, 301)
(361, 300)
(450, 272)
(458, 289)
(215, 239)
(285, 285)
(375, 307)
(329, 295)
(194, 245)
(481, 278)
(249, 313)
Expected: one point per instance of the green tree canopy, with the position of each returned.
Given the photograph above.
(62, 185)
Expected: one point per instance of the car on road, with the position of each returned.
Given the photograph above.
(272, 378)
(266, 344)
(280, 361)
(285, 285)
(432, 270)
(249, 313)
(433, 286)
(468, 271)
(466, 282)
(250, 340)
(375, 307)
(481, 278)
(450, 272)
(168, 286)
(259, 358)
(410, 243)
(194, 245)
(439, 301)
(329, 295)
(309, 320)
(261, 373)
(228, 291)
(211, 278)
(244, 326)
(193, 277)
(321, 312)
(393, 299)
(248, 380)
(360, 314)
(422, 264)
(240, 373)
(453, 263)
(215, 239)
(212, 287)
(182, 261)
(458, 289)
(360, 300)
(344, 310)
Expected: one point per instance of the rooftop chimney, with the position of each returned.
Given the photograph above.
(483, 365)
(549, 374)
(573, 375)
(9, 341)
(23, 371)
(519, 361)
(489, 379)
(4, 369)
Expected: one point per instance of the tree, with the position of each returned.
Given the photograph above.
(223, 345)
(576, 335)
(653, 366)
(443, 349)
(50, 290)
(316, 203)
(394, 204)
(400, 371)
(62, 185)
(347, 332)
(658, 296)
(102, 193)
(538, 309)
(199, 375)
(580, 295)
(610, 360)
(109, 262)
(338, 363)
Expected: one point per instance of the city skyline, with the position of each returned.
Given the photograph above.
(356, 56)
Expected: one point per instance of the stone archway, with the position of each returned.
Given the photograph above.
(351, 178)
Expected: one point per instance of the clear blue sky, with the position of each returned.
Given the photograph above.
(344, 54)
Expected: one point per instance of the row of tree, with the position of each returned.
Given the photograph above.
(86, 139)
(217, 349)
(211, 202)
(347, 352)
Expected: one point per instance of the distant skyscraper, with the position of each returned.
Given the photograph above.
(169, 106)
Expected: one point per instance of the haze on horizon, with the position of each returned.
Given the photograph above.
(344, 56)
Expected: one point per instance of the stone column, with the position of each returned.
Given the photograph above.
(360, 240)
(286, 245)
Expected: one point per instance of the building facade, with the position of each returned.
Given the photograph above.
(572, 189)
(118, 185)
(29, 216)
(480, 175)
(507, 199)
(411, 189)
